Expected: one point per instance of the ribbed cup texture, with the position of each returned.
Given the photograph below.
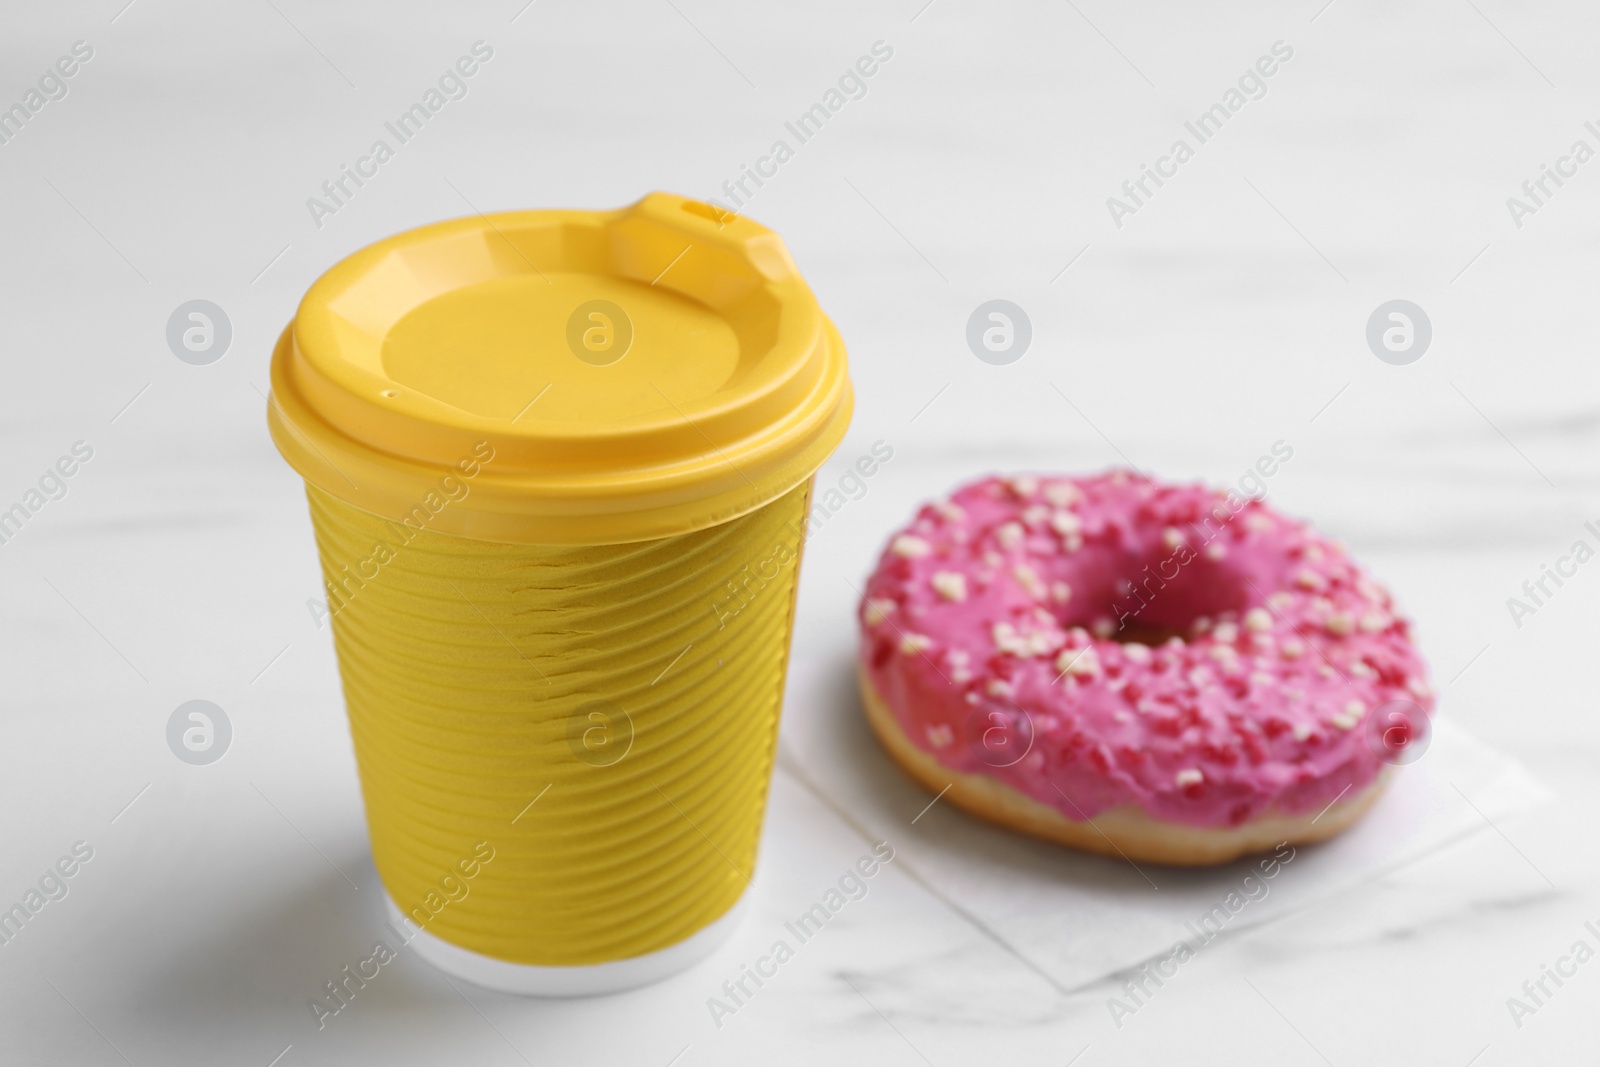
(473, 674)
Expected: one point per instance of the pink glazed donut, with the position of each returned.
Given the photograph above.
(1161, 672)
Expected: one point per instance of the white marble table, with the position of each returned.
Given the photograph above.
(1226, 313)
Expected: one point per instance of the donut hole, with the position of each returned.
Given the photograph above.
(1153, 599)
(1134, 632)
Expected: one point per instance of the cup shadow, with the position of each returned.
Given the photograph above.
(246, 976)
(243, 983)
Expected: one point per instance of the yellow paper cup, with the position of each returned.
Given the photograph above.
(559, 465)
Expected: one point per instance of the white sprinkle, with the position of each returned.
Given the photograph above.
(878, 610)
(1345, 721)
(1226, 632)
(1035, 514)
(1360, 669)
(908, 547)
(911, 643)
(1078, 661)
(1302, 730)
(1201, 625)
(1136, 652)
(1061, 592)
(1024, 486)
(951, 511)
(1258, 522)
(1066, 523)
(1224, 653)
(1339, 624)
(1007, 639)
(960, 676)
(1258, 620)
(1215, 550)
(1188, 776)
(998, 687)
(1028, 578)
(1419, 688)
(1063, 494)
(1307, 579)
(1172, 537)
(940, 736)
(1280, 599)
(1010, 536)
(1121, 716)
(1103, 627)
(952, 585)
(1374, 621)
(1314, 553)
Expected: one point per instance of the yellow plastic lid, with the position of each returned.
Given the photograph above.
(563, 377)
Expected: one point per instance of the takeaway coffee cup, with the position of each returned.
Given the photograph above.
(559, 465)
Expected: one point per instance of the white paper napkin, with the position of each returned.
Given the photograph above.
(1076, 918)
